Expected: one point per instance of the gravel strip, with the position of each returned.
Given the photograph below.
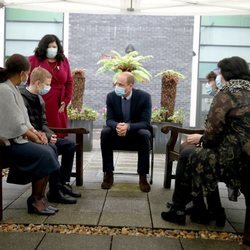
(98, 230)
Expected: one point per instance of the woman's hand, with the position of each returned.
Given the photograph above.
(32, 135)
(62, 107)
(42, 136)
(193, 139)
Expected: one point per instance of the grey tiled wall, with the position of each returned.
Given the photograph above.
(168, 39)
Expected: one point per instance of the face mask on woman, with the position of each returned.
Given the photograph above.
(218, 82)
(120, 91)
(210, 90)
(51, 53)
(44, 90)
(23, 83)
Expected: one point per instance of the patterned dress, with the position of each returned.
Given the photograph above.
(224, 155)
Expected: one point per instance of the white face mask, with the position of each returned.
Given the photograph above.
(51, 53)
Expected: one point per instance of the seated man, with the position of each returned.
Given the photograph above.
(40, 80)
(128, 123)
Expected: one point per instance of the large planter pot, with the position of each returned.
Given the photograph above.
(161, 139)
(87, 138)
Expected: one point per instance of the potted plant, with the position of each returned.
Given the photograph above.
(78, 114)
(83, 118)
(167, 113)
(129, 62)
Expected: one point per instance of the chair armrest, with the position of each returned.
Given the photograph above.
(2, 144)
(70, 130)
(176, 129)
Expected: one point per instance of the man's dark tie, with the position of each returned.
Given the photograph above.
(126, 109)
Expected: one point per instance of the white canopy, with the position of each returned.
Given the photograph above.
(139, 7)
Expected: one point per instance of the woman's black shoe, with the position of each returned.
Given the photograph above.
(45, 201)
(219, 216)
(33, 210)
(200, 216)
(174, 216)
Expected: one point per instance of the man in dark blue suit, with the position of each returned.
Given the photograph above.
(128, 125)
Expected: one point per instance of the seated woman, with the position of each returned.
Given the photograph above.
(26, 150)
(225, 144)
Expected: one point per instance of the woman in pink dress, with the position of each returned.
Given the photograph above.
(49, 55)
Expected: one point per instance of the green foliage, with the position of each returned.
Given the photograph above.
(159, 115)
(129, 62)
(86, 113)
(171, 74)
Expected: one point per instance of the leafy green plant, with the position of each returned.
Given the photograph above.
(86, 113)
(129, 62)
(171, 74)
(159, 115)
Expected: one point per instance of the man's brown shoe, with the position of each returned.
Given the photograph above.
(108, 180)
(144, 186)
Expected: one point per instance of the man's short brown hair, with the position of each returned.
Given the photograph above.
(211, 76)
(39, 74)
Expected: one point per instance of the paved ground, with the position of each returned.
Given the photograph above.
(123, 209)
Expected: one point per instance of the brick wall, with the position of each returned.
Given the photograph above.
(168, 39)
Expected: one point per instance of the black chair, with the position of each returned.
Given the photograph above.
(132, 148)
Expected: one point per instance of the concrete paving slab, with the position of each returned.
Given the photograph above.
(20, 241)
(75, 242)
(142, 243)
(200, 244)
(127, 219)
(21, 216)
(74, 216)
(236, 215)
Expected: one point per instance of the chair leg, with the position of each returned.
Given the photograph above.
(152, 166)
(246, 235)
(167, 173)
(79, 160)
(1, 197)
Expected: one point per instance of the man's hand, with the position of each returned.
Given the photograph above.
(122, 129)
(193, 139)
(62, 107)
(53, 139)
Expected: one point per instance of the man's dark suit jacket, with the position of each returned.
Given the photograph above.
(140, 110)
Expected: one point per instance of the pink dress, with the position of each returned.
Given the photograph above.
(61, 90)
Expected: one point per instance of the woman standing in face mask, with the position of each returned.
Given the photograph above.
(49, 55)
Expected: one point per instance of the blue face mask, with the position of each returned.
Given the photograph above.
(44, 90)
(51, 53)
(209, 90)
(120, 91)
(23, 83)
(218, 82)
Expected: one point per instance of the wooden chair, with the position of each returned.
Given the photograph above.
(79, 132)
(172, 149)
